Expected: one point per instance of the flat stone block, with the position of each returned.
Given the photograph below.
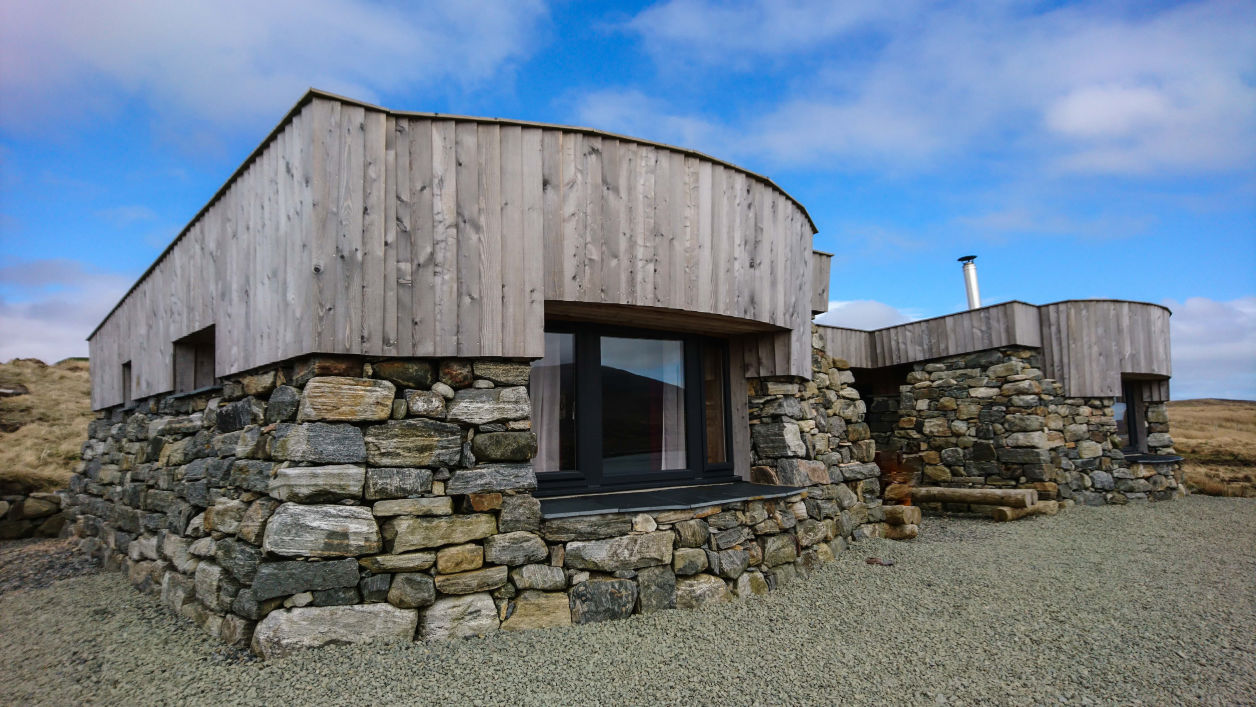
(346, 399)
(284, 632)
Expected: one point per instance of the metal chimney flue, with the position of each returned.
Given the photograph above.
(970, 281)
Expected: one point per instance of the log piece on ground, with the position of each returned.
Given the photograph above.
(1043, 508)
(1015, 498)
(902, 515)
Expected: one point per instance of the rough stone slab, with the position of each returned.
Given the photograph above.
(543, 577)
(503, 372)
(413, 443)
(520, 512)
(533, 609)
(422, 533)
(253, 524)
(504, 446)
(343, 399)
(689, 560)
(437, 506)
(321, 531)
(802, 472)
(656, 589)
(318, 443)
(277, 579)
(602, 600)
(284, 632)
(318, 484)
(623, 553)
(517, 548)
(240, 559)
(470, 582)
(411, 590)
(460, 558)
(283, 403)
(487, 478)
(481, 406)
(779, 549)
(459, 617)
(396, 482)
(586, 527)
(404, 373)
(405, 562)
(700, 590)
(425, 403)
(778, 439)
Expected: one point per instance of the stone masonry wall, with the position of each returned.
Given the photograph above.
(990, 419)
(338, 500)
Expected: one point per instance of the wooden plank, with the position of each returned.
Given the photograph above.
(611, 231)
(372, 251)
(490, 210)
(531, 326)
(388, 272)
(514, 294)
(470, 239)
(573, 214)
(589, 269)
(421, 268)
(552, 211)
(326, 156)
(676, 238)
(630, 184)
(645, 235)
(690, 228)
(400, 231)
(445, 245)
(664, 264)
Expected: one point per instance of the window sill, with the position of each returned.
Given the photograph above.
(662, 499)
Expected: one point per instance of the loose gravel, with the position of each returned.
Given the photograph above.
(1136, 604)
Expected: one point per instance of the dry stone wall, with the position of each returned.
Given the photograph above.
(338, 500)
(990, 419)
(30, 515)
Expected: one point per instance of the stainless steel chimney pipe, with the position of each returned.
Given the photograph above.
(970, 281)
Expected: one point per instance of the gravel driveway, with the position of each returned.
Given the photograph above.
(1150, 603)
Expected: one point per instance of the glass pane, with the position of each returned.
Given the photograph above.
(643, 405)
(552, 386)
(713, 368)
(1122, 423)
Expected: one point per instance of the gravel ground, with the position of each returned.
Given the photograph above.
(1137, 604)
(36, 563)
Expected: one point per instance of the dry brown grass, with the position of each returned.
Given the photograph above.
(1218, 439)
(50, 421)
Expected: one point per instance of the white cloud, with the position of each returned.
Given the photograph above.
(638, 115)
(1214, 348)
(232, 63)
(59, 303)
(863, 314)
(1081, 89)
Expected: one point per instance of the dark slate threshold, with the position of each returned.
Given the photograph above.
(1152, 458)
(665, 499)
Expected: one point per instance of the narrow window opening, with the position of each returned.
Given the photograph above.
(1131, 421)
(194, 361)
(126, 384)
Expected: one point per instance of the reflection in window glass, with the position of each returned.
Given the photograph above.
(643, 405)
(1122, 423)
(553, 390)
(713, 366)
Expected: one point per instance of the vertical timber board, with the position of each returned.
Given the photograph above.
(820, 267)
(375, 157)
(589, 284)
(470, 238)
(513, 295)
(663, 264)
(490, 210)
(708, 254)
(691, 229)
(630, 186)
(352, 232)
(530, 328)
(445, 243)
(326, 161)
(612, 215)
(391, 304)
(676, 243)
(571, 249)
(552, 212)
(647, 160)
(420, 268)
(400, 320)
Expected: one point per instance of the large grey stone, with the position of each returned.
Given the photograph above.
(283, 632)
(503, 372)
(459, 617)
(239, 558)
(519, 512)
(343, 399)
(779, 549)
(277, 579)
(404, 373)
(1024, 456)
(586, 527)
(283, 403)
(689, 560)
(1102, 480)
(480, 406)
(434, 506)
(425, 403)
(692, 533)
(700, 590)
(602, 600)
(544, 577)
(321, 531)
(517, 548)
(474, 581)
(318, 484)
(802, 472)
(490, 478)
(318, 443)
(396, 482)
(656, 589)
(411, 590)
(422, 533)
(414, 443)
(405, 562)
(622, 553)
(504, 446)
(778, 439)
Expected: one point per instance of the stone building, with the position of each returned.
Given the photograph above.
(421, 376)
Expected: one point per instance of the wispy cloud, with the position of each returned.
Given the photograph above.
(229, 64)
(48, 307)
(1083, 89)
(864, 314)
(1214, 348)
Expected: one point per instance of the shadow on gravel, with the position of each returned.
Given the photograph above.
(37, 563)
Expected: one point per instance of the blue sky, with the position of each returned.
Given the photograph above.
(1081, 150)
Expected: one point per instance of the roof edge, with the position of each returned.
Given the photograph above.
(991, 306)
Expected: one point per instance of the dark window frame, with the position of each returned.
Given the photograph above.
(1135, 417)
(589, 476)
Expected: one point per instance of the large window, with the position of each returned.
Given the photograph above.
(616, 408)
(194, 361)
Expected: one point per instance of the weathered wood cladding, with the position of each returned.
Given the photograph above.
(820, 263)
(1086, 344)
(362, 231)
